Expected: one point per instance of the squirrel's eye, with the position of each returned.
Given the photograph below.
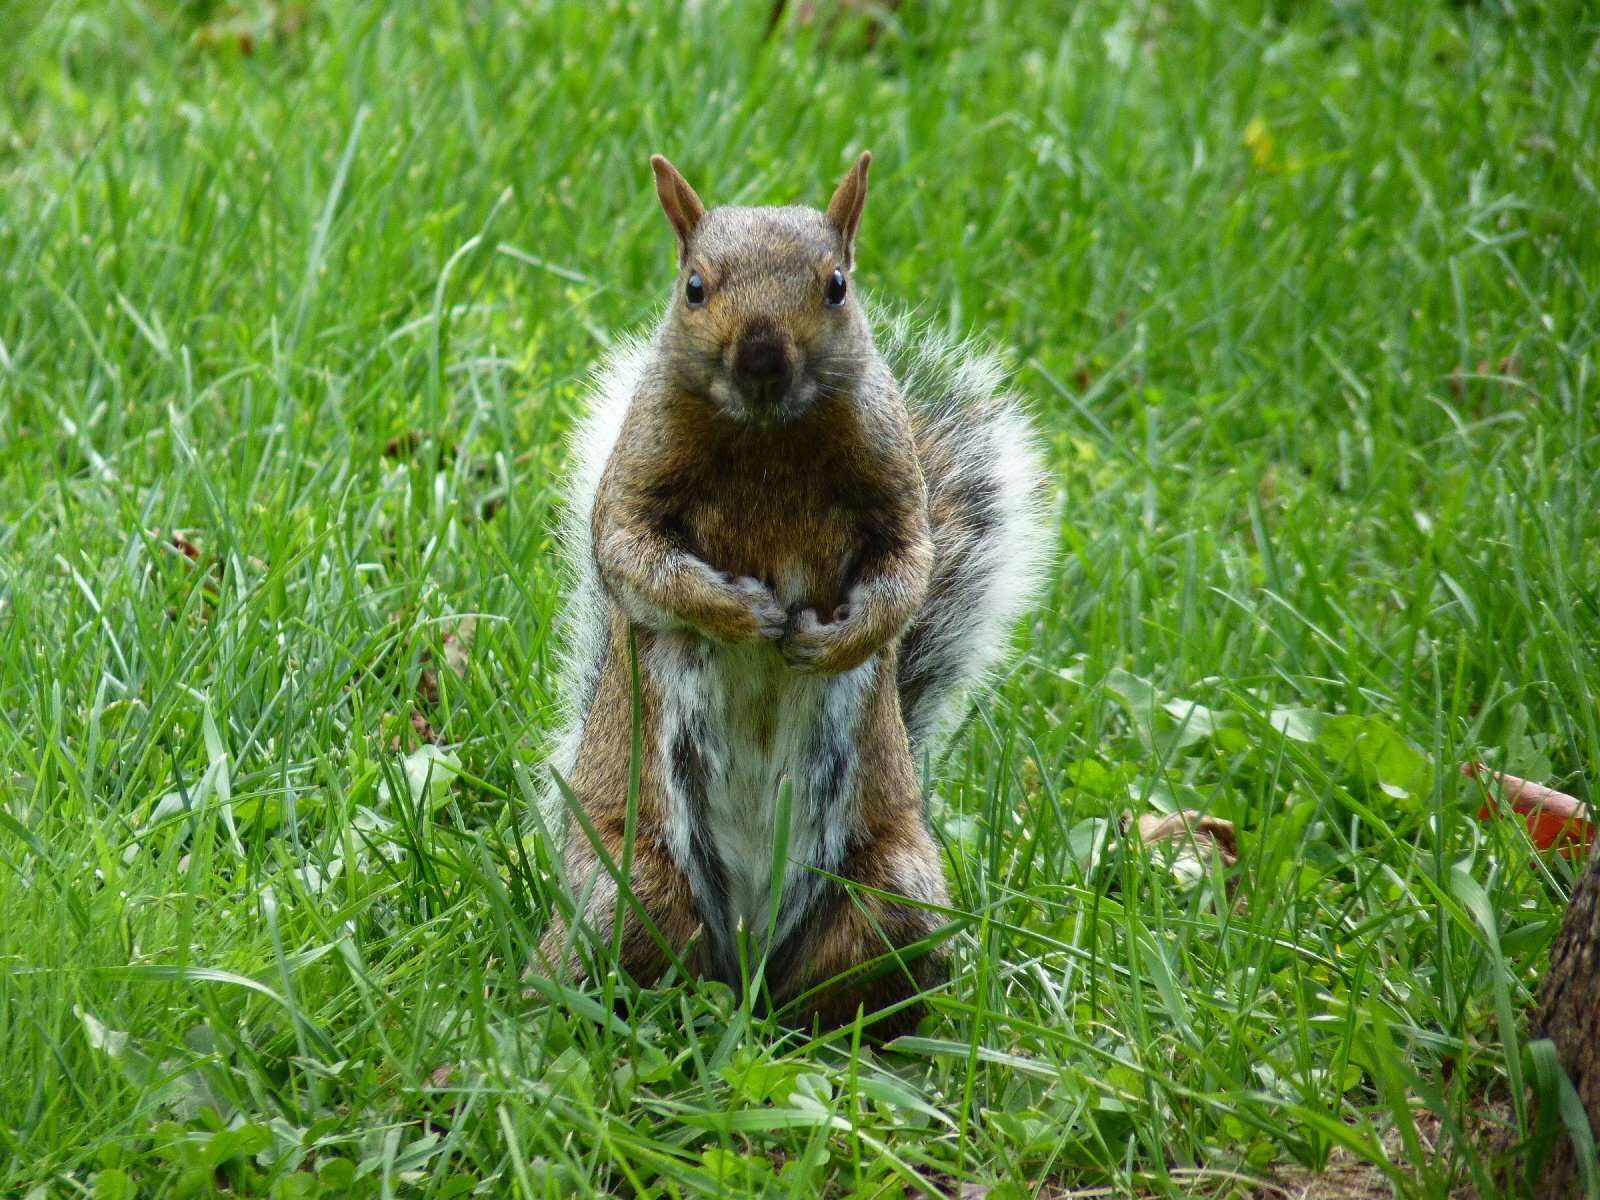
(695, 291)
(835, 290)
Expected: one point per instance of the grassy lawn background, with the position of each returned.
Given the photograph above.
(1304, 297)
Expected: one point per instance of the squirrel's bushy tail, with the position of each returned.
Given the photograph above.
(582, 626)
(987, 502)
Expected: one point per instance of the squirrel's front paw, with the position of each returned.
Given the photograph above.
(813, 648)
(758, 613)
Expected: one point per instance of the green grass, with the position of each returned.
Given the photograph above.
(1304, 296)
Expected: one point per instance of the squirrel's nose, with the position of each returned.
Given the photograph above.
(761, 362)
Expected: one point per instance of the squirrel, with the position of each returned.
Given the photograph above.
(795, 553)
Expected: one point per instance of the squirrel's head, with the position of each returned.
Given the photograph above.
(764, 322)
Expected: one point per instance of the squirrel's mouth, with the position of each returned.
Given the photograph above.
(764, 401)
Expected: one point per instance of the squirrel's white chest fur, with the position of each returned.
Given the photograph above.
(753, 722)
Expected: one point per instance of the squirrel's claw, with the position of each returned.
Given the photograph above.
(770, 617)
(804, 642)
(809, 646)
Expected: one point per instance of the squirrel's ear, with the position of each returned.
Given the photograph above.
(844, 210)
(682, 206)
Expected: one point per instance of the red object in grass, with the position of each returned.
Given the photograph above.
(1555, 820)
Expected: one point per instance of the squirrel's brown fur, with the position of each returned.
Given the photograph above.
(760, 539)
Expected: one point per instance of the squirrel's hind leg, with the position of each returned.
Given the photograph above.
(861, 951)
(659, 889)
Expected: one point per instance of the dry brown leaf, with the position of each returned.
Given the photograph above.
(420, 726)
(458, 646)
(1192, 827)
(190, 550)
(1525, 796)
(428, 686)
(402, 445)
(1555, 820)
